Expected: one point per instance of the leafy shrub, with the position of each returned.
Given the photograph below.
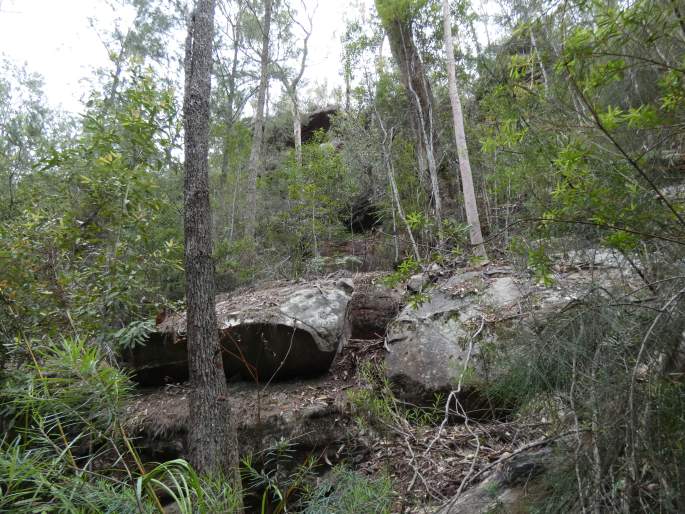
(604, 361)
(404, 270)
(347, 492)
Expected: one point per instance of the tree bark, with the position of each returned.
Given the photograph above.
(413, 78)
(212, 439)
(229, 111)
(297, 127)
(258, 127)
(470, 205)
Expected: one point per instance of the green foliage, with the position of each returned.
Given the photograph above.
(309, 202)
(376, 405)
(36, 480)
(404, 11)
(416, 300)
(134, 334)
(279, 488)
(405, 269)
(602, 363)
(284, 486)
(65, 449)
(70, 384)
(26, 131)
(618, 78)
(455, 234)
(416, 220)
(97, 242)
(347, 492)
(64, 399)
(191, 493)
(540, 263)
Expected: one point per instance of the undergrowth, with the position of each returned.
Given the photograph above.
(66, 449)
(603, 370)
(376, 405)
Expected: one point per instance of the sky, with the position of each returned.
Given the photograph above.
(55, 39)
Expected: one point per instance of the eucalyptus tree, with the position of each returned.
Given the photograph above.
(397, 17)
(255, 164)
(291, 77)
(145, 39)
(212, 440)
(231, 73)
(470, 204)
(24, 130)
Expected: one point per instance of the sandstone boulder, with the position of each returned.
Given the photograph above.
(440, 339)
(432, 346)
(372, 307)
(312, 415)
(280, 332)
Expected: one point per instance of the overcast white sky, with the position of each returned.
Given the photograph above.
(56, 40)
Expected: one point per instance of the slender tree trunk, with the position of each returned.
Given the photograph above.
(297, 127)
(347, 74)
(534, 46)
(460, 136)
(390, 169)
(291, 87)
(212, 439)
(229, 111)
(236, 187)
(258, 127)
(415, 82)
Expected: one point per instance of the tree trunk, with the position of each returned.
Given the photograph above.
(460, 136)
(291, 87)
(258, 128)
(229, 111)
(297, 127)
(212, 439)
(415, 82)
(386, 146)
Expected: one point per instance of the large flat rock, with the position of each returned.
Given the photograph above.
(442, 341)
(278, 332)
(310, 414)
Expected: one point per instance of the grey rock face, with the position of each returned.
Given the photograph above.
(432, 346)
(311, 414)
(274, 333)
(372, 308)
(505, 488)
(418, 282)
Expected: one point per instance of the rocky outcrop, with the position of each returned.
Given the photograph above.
(310, 415)
(506, 487)
(279, 332)
(437, 342)
(372, 308)
(432, 344)
(318, 120)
